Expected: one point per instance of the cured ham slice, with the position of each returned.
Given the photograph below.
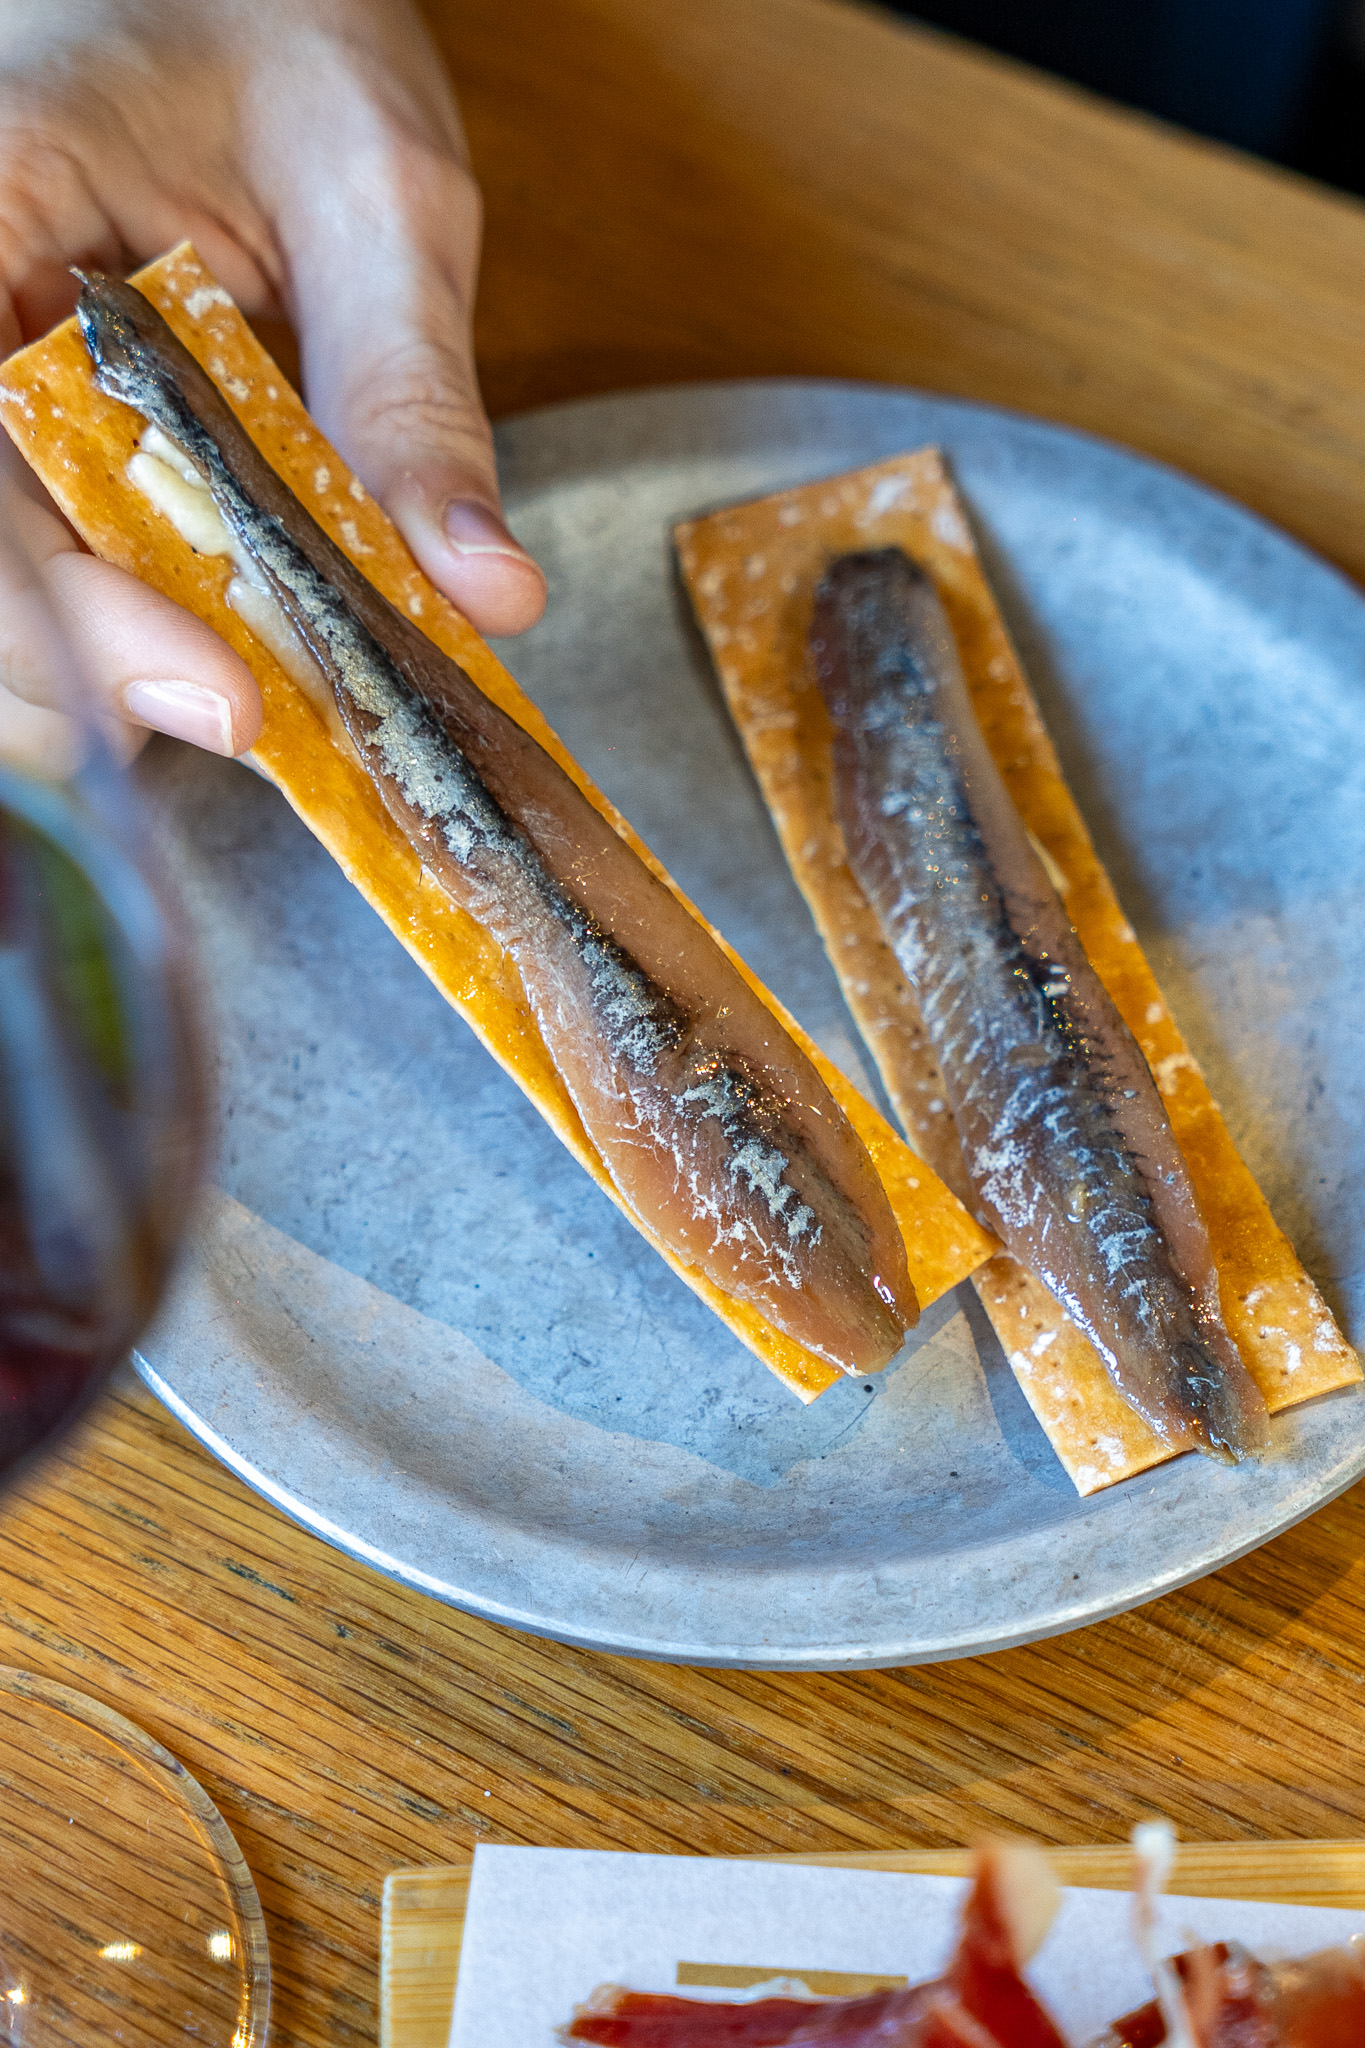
(1234, 2001)
(1218, 1996)
(981, 2000)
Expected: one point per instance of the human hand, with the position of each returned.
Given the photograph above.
(313, 152)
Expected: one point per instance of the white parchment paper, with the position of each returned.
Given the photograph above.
(545, 1927)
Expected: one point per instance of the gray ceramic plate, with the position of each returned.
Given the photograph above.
(414, 1323)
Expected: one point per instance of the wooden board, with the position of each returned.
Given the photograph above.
(80, 441)
(751, 572)
(423, 1916)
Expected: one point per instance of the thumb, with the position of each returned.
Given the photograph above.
(383, 288)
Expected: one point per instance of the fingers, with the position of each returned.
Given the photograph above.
(451, 518)
(150, 663)
(382, 244)
(389, 367)
(143, 661)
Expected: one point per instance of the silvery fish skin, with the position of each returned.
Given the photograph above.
(714, 1126)
(1064, 1135)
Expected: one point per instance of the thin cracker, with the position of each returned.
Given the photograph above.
(751, 571)
(79, 442)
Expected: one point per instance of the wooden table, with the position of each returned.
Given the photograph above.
(711, 190)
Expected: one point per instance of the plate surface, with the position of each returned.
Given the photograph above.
(414, 1324)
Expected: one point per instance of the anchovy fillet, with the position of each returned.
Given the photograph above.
(714, 1127)
(1064, 1135)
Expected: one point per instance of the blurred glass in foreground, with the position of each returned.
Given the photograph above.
(99, 1102)
(126, 1911)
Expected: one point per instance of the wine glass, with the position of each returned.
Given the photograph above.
(126, 1911)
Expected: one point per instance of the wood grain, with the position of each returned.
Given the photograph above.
(774, 185)
(347, 1728)
(424, 1910)
(759, 187)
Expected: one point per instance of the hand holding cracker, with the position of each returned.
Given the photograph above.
(315, 152)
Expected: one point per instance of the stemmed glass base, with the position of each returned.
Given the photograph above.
(126, 1911)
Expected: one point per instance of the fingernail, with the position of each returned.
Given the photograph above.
(472, 529)
(187, 711)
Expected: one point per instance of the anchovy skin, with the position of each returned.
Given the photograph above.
(1064, 1135)
(713, 1125)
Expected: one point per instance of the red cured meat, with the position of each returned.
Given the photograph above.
(981, 2001)
(1237, 2002)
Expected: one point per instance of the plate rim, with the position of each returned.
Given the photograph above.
(752, 1657)
(968, 408)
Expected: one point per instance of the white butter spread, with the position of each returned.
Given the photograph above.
(1056, 874)
(166, 477)
(181, 498)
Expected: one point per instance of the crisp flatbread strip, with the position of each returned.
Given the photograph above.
(79, 442)
(751, 571)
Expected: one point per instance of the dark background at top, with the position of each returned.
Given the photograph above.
(1283, 78)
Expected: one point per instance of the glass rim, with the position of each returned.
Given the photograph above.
(184, 1789)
